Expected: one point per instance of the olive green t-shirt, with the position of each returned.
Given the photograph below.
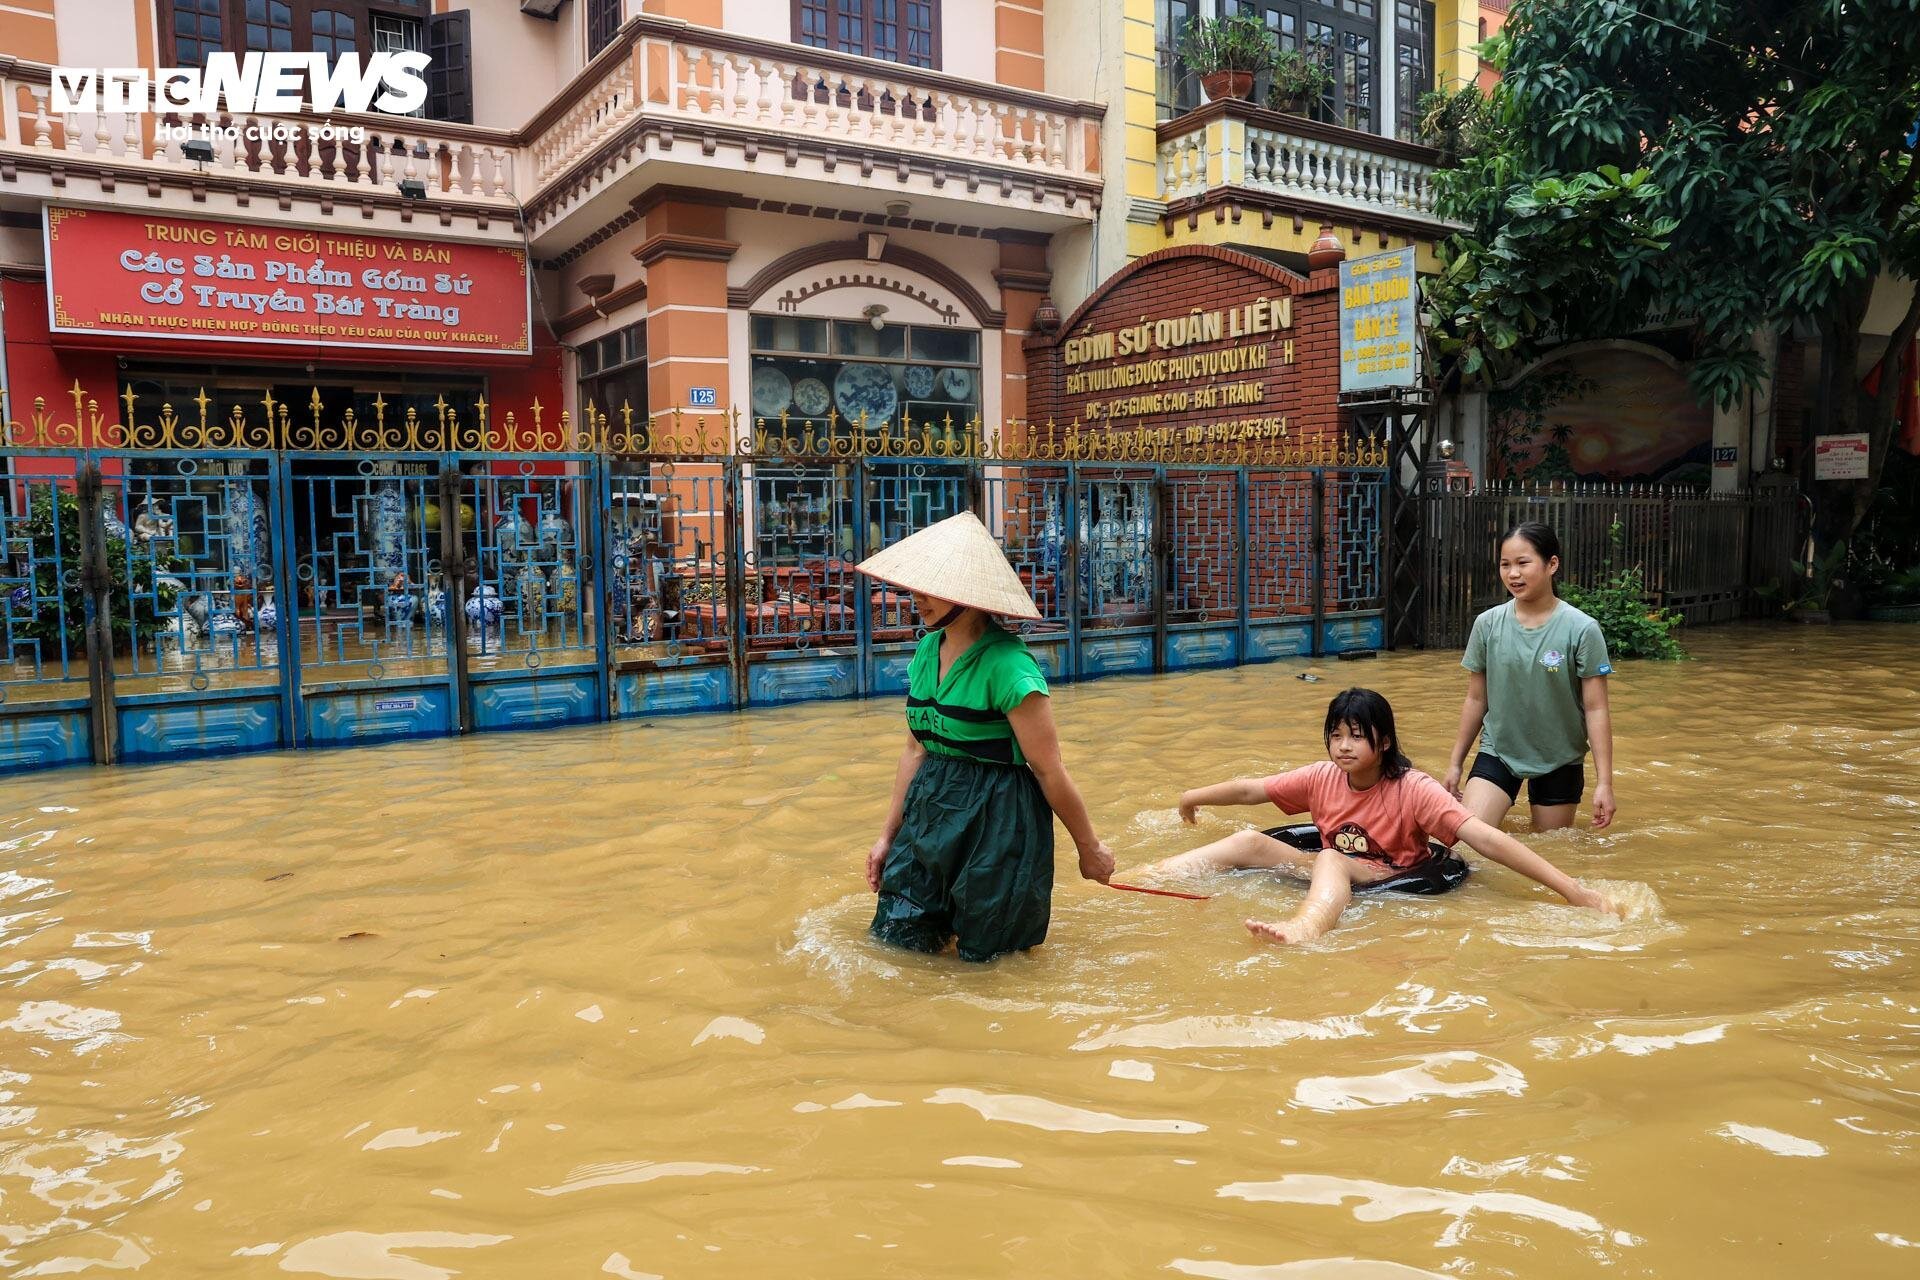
(965, 715)
(1536, 720)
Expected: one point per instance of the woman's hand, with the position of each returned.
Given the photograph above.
(1096, 863)
(876, 858)
(1452, 782)
(1189, 808)
(1603, 806)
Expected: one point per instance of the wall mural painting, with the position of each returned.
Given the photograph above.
(1614, 415)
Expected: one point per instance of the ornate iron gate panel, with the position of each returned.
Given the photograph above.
(203, 672)
(368, 614)
(1119, 570)
(1205, 593)
(671, 548)
(1353, 612)
(1280, 578)
(799, 598)
(535, 654)
(45, 610)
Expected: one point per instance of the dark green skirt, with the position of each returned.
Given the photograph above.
(973, 861)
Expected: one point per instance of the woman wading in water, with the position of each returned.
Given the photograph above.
(967, 851)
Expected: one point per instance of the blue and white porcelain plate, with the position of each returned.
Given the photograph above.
(811, 398)
(956, 384)
(772, 393)
(919, 380)
(866, 389)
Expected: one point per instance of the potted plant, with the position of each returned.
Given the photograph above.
(1452, 123)
(1298, 82)
(1227, 53)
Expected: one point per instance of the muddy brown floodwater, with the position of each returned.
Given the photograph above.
(600, 1002)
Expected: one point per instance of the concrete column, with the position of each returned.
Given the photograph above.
(685, 252)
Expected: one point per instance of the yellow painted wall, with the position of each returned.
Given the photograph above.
(1280, 235)
(1456, 31)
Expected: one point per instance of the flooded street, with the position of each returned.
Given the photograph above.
(601, 1002)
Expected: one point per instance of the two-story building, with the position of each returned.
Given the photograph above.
(724, 205)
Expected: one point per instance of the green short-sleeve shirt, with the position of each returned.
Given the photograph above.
(965, 715)
(1536, 719)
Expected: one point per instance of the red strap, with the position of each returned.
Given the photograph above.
(1159, 893)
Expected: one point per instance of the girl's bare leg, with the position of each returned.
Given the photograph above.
(1327, 897)
(1552, 817)
(1241, 849)
(1485, 801)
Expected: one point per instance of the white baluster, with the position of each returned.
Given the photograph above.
(740, 67)
(130, 139)
(1057, 126)
(790, 78)
(42, 122)
(937, 129)
(1349, 172)
(763, 73)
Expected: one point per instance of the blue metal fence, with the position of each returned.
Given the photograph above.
(167, 602)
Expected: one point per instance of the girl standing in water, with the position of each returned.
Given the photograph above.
(1536, 696)
(967, 851)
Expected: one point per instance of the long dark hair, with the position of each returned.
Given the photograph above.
(1541, 537)
(1372, 718)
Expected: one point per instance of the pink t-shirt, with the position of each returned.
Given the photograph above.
(1391, 821)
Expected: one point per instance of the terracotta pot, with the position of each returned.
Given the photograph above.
(1327, 251)
(1220, 85)
(1046, 316)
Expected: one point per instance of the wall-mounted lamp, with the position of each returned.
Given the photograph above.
(198, 150)
(873, 312)
(413, 189)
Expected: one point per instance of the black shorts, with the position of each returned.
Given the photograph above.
(1564, 785)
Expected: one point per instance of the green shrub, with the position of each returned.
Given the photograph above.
(48, 624)
(1619, 605)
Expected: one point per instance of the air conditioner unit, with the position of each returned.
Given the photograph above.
(548, 9)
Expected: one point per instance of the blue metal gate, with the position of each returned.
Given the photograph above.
(278, 586)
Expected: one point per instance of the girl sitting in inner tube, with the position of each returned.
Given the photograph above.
(1385, 824)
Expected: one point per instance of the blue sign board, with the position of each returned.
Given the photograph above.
(701, 397)
(1379, 322)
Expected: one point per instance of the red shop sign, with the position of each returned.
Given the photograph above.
(132, 273)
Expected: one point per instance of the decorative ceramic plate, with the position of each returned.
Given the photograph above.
(811, 398)
(772, 393)
(866, 389)
(919, 379)
(956, 384)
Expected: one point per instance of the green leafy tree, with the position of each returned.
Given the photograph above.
(1737, 164)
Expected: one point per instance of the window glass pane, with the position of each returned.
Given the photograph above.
(859, 338)
(256, 10)
(955, 345)
(788, 333)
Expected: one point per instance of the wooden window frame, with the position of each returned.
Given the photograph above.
(233, 16)
(939, 14)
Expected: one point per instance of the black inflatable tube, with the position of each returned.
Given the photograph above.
(1443, 871)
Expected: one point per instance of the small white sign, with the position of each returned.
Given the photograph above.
(702, 397)
(1840, 457)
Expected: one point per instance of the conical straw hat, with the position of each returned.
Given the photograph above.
(956, 560)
